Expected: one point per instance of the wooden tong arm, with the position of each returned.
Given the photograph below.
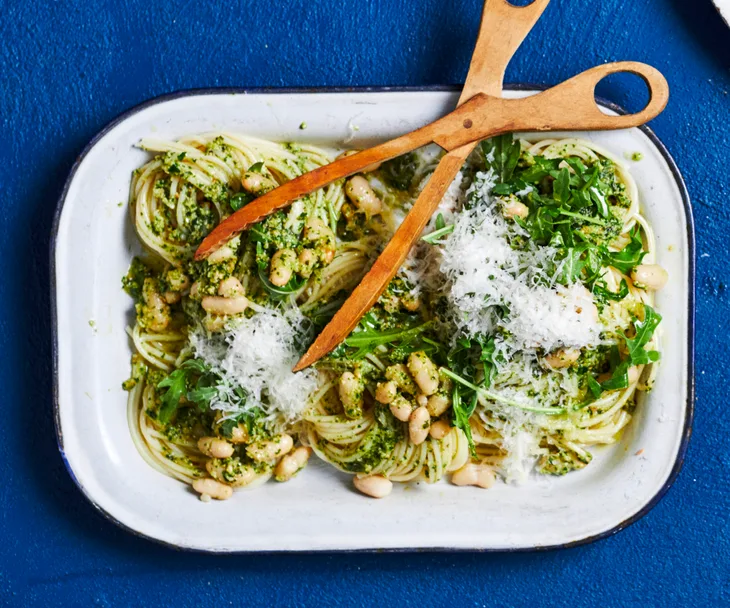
(284, 195)
(567, 106)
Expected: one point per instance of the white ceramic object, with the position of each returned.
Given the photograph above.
(94, 243)
(723, 7)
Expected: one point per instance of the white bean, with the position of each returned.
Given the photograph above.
(256, 183)
(239, 434)
(513, 208)
(230, 288)
(291, 464)
(218, 305)
(351, 390)
(172, 297)
(418, 425)
(401, 408)
(266, 451)
(563, 357)
(232, 471)
(437, 404)
(375, 486)
(424, 372)
(215, 447)
(282, 266)
(398, 373)
(212, 489)
(221, 255)
(474, 475)
(385, 391)
(649, 276)
(306, 259)
(316, 231)
(156, 311)
(439, 429)
(358, 190)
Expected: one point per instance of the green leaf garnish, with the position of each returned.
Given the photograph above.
(176, 384)
(433, 238)
(630, 256)
(501, 154)
(366, 341)
(241, 199)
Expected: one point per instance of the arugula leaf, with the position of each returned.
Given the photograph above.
(572, 264)
(550, 411)
(594, 387)
(241, 199)
(576, 164)
(619, 378)
(487, 357)
(644, 332)
(637, 355)
(202, 395)
(400, 171)
(196, 365)
(561, 186)
(176, 384)
(501, 154)
(256, 235)
(540, 225)
(601, 291)
(540, 170)
(462, 412)
(600, 201)
(630, 256)
(432, 238)
(366, 341)
(581, 216)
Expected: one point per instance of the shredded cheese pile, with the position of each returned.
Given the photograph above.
(495, 289)
(258, 354)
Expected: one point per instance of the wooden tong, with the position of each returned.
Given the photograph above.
(568, 106)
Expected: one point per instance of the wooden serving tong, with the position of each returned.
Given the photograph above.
(480, 114)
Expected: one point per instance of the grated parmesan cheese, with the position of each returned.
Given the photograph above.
(257, 354)
(494, 287)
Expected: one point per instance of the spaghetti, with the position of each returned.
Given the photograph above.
(515, 337)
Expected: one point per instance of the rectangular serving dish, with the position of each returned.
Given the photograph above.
(91, 249)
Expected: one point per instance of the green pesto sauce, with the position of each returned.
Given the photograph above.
(376, 446)
(133, 281)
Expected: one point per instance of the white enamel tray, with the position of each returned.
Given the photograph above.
(92, 247)
(723, 7)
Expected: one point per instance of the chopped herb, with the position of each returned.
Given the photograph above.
(241, 199)
(400, 172)
(501, 154)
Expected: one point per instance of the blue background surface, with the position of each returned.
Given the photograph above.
(69, 67)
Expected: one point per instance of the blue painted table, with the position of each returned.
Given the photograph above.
(68, 68)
